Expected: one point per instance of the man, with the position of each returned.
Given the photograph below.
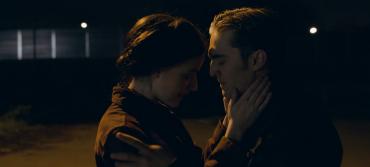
(290, 132)
(245, 45)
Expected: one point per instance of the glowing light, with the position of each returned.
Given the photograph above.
(313, 30)
(83, 25)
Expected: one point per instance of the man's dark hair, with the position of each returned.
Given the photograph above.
(253, 28)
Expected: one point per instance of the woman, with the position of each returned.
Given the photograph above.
(159, 67)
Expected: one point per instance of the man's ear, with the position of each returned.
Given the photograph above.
(258, 60)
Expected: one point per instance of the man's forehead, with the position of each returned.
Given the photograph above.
(223, 34)
(222, 37)
(220, 40)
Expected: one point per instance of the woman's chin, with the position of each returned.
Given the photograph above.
(173, 104)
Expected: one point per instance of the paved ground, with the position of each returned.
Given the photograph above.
(76, 148)
(355, 136)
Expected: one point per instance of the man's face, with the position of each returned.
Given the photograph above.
(227, 65)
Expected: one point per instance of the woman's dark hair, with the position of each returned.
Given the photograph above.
(157, 42)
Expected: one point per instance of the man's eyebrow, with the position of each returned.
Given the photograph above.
(212, 55)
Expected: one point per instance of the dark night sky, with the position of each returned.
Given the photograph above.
(331, 14)
(338, 58)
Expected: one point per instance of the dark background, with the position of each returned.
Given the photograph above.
(333, 64)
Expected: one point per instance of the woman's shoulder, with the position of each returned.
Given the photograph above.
(113, 121)
(116, 118)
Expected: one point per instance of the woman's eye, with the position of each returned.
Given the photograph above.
(189, 76)
(186, 76)
(222, 62)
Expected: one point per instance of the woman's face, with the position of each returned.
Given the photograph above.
(172, 84)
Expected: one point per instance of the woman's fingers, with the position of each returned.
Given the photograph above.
(262, 95)
(226, 103)
(248, 93)
(265, 102)
(258, 91)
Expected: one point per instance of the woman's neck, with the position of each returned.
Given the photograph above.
(141, 86)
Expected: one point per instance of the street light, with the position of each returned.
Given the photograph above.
(83, 25)
(313, 30)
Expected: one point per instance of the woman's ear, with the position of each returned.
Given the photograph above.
(155, 75)
(258, 60)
